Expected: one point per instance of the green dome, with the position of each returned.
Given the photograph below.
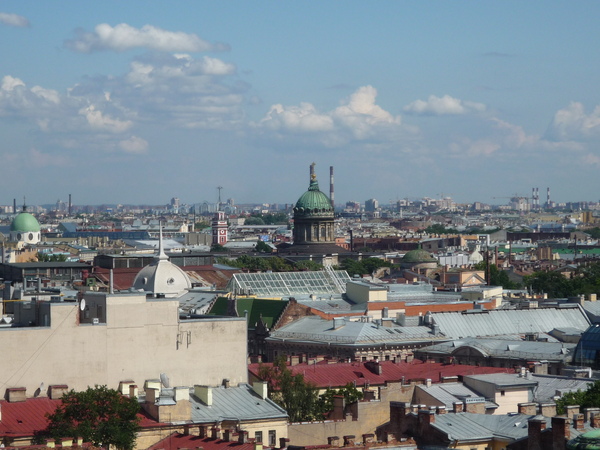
(25, 223)
(589, 440)
(313, 202)
(416, 256)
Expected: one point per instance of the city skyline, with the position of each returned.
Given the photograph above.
(121, 103)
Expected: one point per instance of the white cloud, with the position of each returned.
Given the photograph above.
(572, 123)
(99, 121)
(10, 83)
(445, 105)
(134, 144)
(297, 118)
(13, 20)
(359, 118)
(124, 37)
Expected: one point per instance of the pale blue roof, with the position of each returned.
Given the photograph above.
(457, 325)
(232, 403)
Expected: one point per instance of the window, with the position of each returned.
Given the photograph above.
(272, 438)
(258, 436)
(502, 393)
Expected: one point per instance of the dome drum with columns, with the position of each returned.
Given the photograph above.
(314, 217)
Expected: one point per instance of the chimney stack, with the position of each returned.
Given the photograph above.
(69, 204)
(331, 193)
(312, 171)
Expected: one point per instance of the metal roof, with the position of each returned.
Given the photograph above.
(457, 325)
(533, 350)
(473, 427)
(549, 386)
(449, 393)
(351, 332)
(235, 403)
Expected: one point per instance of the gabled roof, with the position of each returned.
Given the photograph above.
(178, 441)
(457, 325)
(315, 329)
(339, 374)
(22, 419)
(236, 403)
(475, 427)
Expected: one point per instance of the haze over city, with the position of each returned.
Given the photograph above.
(136, 102)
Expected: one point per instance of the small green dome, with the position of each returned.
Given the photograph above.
(313, 202)
(416, 256)
(25, 223)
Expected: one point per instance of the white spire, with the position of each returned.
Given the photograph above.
(161, 252)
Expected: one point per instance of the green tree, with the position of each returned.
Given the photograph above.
(45, 257)
(292, 392)
(350, 392)
(217, 248)
(497, 277)
(262, 247)
(552, 283)
(585, 399)
(99, 415)
(308, 265)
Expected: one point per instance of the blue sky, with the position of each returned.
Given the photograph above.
(138, 102)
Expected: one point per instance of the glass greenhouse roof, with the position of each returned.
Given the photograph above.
(282, 284)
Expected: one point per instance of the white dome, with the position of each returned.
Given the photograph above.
(162, 277)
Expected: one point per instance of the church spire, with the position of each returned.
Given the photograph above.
(161, 251)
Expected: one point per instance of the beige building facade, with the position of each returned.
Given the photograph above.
(110, 338)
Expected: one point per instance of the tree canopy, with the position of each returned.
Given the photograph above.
(497, 277)
(585, 399)
(584, 280)
(364, 267)
(299, 397)
(292, 392)
(99, 415)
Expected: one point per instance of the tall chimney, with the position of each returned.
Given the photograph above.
(312, 171)
(331, 186)
(69, 204)
(14, 205)
(548, 197)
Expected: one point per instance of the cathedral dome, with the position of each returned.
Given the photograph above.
(313, 202)
(25, 223)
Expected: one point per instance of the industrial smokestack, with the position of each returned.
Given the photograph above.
(548, 197)
(14, 205)
(331, 194)
(312, 171)
(69, 204)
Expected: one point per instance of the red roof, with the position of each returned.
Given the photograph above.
(340, 374)
(22, 419)
(180, 441)
(123, 278)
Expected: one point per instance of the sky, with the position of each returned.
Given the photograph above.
(137, 102)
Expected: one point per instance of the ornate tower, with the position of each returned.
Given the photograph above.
(219, 229)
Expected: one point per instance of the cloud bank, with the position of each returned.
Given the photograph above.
(124, 37)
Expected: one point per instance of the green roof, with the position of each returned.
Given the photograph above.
(269, 309)
(418, 255)
(25, 222)
(313, 201)
(589, 441)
